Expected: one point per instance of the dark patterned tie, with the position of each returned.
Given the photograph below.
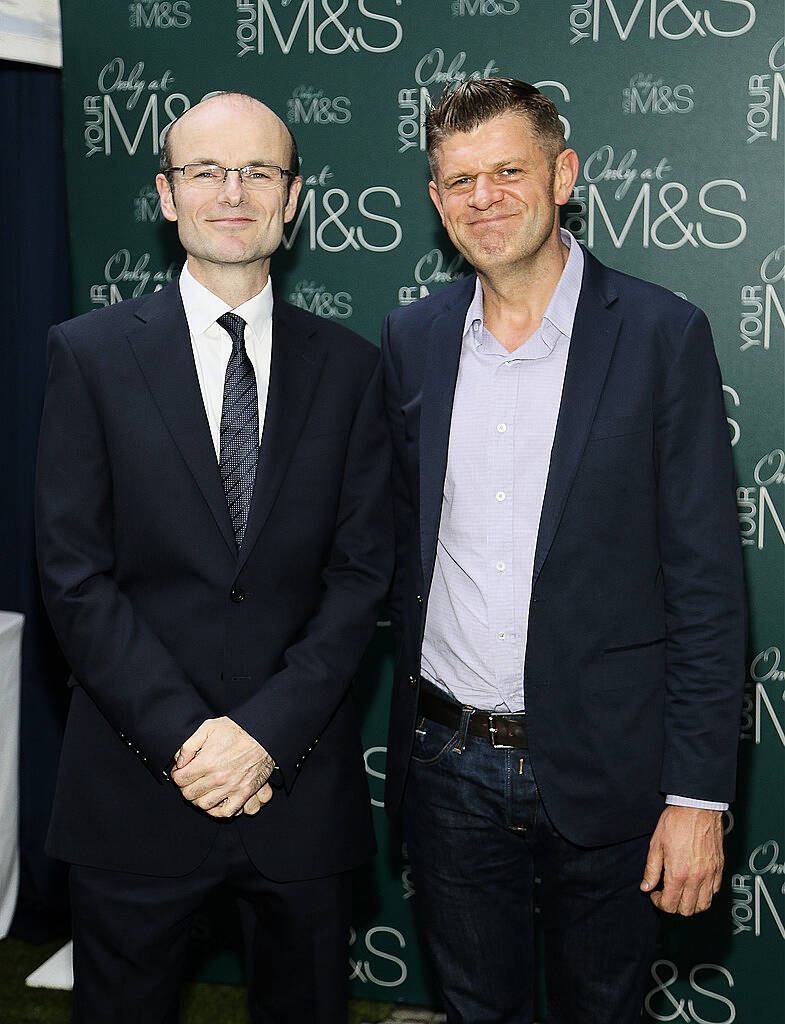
(239, 427)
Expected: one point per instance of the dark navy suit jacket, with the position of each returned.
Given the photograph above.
(634, 664)
(164, 624)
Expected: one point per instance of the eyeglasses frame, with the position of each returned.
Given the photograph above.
(283, 171)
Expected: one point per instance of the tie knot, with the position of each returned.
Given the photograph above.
(234, 326)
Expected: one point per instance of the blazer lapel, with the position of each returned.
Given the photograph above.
(162, 345)
(294, 373)
(440, 373)
(593, 340)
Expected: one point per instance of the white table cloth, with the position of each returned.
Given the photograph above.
(11, 624)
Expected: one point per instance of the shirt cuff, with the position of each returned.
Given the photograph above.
(686, 801)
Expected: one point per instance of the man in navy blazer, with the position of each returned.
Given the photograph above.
(213, 595)
(568, 594)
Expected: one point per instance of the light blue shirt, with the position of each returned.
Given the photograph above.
(501, 435)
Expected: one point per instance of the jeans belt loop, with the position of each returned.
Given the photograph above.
(466, 714)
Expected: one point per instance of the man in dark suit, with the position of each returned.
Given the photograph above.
(213, 595)
(568, 593)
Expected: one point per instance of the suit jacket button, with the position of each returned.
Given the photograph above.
(419, 600)
(237, 595)
(413, 682)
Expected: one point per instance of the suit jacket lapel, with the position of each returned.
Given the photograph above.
(440, 373)
(593, 340)
(160, 340)
(294, 373)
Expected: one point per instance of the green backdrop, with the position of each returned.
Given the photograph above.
(676, 109)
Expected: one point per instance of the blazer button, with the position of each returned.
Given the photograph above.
(413, 682)
(237, 595)
(419, 600)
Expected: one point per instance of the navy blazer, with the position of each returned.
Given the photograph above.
(165, 624)
(634, 666)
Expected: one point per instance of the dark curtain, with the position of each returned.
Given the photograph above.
(36, 293)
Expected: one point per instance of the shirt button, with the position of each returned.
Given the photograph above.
(501, 566)
(501, 636)
(500, 495)
(501, 428)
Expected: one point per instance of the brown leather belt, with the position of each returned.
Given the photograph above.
(503, 731)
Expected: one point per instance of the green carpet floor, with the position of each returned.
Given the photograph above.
(202, 1003)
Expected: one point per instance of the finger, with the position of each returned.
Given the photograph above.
(669, 898)
(204, 765)
(653, 869)
(690, 894)
(265, 794)
(705, 896)
(229, 807)
(193, 783)
(211, 801)
(193, 745)
(198, 770)
(252, 806)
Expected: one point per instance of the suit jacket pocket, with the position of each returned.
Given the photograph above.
(631, 666)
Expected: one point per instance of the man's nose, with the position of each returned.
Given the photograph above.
(232, 190)
(486, 192)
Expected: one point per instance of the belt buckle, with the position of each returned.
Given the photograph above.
(492, 733)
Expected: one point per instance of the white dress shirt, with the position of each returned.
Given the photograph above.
(212, 345)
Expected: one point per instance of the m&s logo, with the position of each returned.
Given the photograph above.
(666, 19)
(264, 24)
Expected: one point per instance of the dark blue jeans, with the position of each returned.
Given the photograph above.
(477, 835)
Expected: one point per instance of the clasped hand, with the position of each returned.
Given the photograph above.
(223, 770)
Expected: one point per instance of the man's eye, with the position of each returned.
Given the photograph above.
(511, 172)
(207, 173)
(261, 173)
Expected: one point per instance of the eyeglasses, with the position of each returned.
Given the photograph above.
(253, 176)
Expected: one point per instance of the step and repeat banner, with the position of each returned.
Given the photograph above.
(676, 109)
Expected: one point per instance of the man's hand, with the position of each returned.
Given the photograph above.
(687, 848)
(223, 770)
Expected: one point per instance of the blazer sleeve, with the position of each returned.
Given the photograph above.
(403, 510)
(294, 706)
(703, 576)
(113, 654)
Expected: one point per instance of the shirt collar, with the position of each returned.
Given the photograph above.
(203, 307)
(560, 311)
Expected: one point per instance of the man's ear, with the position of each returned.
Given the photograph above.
(164, 186)
(291, 200)
(433, 192)
(564, 176)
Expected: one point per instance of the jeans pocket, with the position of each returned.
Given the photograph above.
(432, 741)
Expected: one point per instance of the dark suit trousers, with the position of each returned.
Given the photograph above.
(478, 835)
(131, 933)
